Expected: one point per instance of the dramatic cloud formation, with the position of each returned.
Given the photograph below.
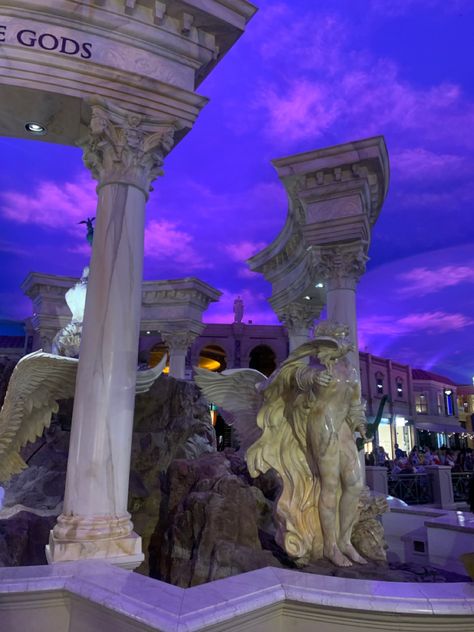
(164, 241)
(421, 281)
(52, 205)
(304, 76)
(243, 250)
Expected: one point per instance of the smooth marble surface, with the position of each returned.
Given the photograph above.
(99, 455)
(168, 608)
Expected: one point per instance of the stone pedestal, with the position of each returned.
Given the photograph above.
(442, 485)
(376, 479)
(124, 155)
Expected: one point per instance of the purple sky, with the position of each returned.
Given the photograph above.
(305, 75)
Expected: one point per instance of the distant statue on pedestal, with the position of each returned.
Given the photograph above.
(238, 310)
(89, 222)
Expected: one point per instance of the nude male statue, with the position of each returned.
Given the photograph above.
(308, 418)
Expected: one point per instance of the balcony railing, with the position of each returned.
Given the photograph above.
(461, 482)
(414, 489)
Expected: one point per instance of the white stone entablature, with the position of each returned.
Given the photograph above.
(176, 305)
(50, 310)
(167, 306)
(335, 195)
(145, 57)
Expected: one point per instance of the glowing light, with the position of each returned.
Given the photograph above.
(35, 128)
(322, 285)
(209, 364)
(308, 298)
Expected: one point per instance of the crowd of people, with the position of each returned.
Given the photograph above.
(418, 458)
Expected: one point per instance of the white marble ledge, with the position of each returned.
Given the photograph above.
(455, 521)
(171, 609)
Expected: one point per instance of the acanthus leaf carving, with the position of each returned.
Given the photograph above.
(340, 263)
(298, 316)
(121, 149)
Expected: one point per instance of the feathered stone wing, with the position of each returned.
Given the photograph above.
(38, 381)
(146, 378)
(235, 393)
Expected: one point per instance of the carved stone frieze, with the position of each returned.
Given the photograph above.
(169, 297)
(123, 147)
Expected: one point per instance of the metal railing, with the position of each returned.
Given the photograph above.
(414, 489)
(461, 482)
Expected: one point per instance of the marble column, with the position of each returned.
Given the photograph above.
(341, 267)
(178, 345)
(125, 154)
(298, 319)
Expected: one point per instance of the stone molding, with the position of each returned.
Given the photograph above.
(99, 596)
(125, 148)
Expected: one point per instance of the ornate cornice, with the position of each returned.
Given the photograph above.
(123, 147)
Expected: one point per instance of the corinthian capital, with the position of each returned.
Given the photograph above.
(178, 340)
(123, 147)
(341, 264)
(298, 316)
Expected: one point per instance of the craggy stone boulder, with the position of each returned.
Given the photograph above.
(211, 520)
(23, 536)
(171, 420)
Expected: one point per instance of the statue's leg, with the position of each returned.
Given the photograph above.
(324, 458)
(352, 483)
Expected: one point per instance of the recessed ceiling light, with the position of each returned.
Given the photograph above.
(35, 128)
(319, 285)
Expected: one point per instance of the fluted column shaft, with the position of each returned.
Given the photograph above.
(124, 156)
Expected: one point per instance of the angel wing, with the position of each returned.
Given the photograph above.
(146, 378)
(38, 382)
(235, 392)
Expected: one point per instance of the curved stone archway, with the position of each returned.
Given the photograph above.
(263, 359)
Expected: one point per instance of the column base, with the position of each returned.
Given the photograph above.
(125, 552)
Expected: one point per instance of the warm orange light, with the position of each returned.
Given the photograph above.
(208, 363)
(155, 357)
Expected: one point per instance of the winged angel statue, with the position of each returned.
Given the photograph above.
(40, 380)
(300, 422)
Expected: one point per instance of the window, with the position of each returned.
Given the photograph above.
(379, 382)
(421, 404)
(440, 403)
(399, 388)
